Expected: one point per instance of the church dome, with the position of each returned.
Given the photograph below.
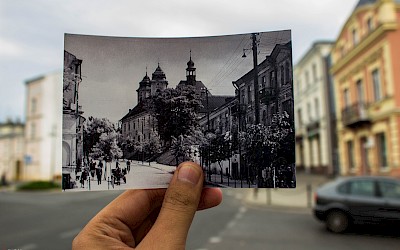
(190, 64)
(158, 74)
(145, 81)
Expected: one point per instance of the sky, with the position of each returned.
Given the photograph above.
(32, 32)
(112, 67)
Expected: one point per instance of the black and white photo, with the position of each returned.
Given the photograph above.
(134, 108)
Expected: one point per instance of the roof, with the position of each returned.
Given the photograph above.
(214, 102)
(199, 85)
(139, 108)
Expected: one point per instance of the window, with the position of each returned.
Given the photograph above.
(350, 154)
(243, 94)
(309, 111)
(382, 151)
(129, 126)
(362, 188)
(346, 98)
(287, 72)
(307, 78)
(299, 118)
(264, 81)
(134, 125)
(316, 103)
(314, 72)
(370, 24)
(287, 107)
(249, 95)
(355, 37)
(272, 79)
(389, 189)
(34, 106)
(264, 116)
(360, 92)
(282, 75)
(377, 85)
(33, 131)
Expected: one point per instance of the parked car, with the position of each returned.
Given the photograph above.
(358, 200)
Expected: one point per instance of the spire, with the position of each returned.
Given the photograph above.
(190, 71)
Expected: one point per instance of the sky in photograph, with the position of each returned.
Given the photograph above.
(113, 67)
(32, 32)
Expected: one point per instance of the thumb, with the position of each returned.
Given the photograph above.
(180, 204)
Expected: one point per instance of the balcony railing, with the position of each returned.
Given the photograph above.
(355, 115)
(268, 94)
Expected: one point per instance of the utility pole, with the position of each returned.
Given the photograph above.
(255, 65)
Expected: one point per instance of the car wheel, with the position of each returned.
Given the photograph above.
(337, 221)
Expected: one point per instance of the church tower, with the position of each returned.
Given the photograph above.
(191, 72)
(158, 80)
(144, 89)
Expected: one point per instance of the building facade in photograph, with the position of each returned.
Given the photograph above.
(275, 88)
(43, 123)
(316, 147)
(367, 76)
(72, 130)
(11, 151)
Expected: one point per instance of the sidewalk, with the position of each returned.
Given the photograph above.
(299, 197)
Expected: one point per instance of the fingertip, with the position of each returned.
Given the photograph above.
(210, 197)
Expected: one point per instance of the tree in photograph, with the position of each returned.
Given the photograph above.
(263, 143)
(220, 150)
(185, 146)
(93, 129)
(106, 148)
(152, 146)
(175, 111)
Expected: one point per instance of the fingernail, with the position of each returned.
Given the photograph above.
(188, 173)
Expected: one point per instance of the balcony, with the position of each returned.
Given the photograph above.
(268, 95)
(355, 115)
(313, 129)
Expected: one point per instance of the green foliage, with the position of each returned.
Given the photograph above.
(39, 185)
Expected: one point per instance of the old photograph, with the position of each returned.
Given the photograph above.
(134, 108)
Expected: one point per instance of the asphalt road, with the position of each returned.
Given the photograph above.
(51, 220)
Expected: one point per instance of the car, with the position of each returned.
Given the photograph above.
(358, 200)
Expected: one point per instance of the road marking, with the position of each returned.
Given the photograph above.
(28, 246)
(231, 224)
(242, 209)
(70, 234)
(215, 240)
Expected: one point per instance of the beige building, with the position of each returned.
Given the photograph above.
(315, 145)
(43, 127)
(11, 150)
(367, 88)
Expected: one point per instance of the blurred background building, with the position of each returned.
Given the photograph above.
(315, 126)
(366, 74)
(43, 125)
(11, 150)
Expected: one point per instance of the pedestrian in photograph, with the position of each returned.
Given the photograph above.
(99, 172)
(92, 165)
(128, 165)
(83, 178)
(151, 219)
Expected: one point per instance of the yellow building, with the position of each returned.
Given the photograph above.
(366, 72)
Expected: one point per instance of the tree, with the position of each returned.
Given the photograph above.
(106, 148)
(184, 146)
(93, 129)
(220, 150)
(262, 144)
(175, 111)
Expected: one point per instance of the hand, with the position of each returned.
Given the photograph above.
(151, 219)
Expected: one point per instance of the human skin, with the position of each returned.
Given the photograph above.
(151, 219)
